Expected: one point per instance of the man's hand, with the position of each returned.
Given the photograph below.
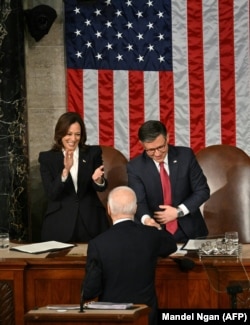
(152, 223)
(167, 214)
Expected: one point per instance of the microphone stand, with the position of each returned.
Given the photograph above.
(81, 300)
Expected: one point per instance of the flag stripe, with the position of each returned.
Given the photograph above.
(242, 74)
(196, 74)
(136, 108)
(180, 74)
(211, 72)
(75, 87)
(166, 104)
(106, 107)
(226, 32)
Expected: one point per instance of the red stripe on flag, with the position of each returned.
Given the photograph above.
(75, 90)
(166, 94)
(136, 109)
(196, 75)
(106, 107)
(227, 72)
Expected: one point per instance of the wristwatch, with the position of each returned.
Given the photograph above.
(180, 213)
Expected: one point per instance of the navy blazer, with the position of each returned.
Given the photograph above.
(188, 184)
(64, 204)
(121, 264)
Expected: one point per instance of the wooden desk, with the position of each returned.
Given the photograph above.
(39, 280)
(137, 316)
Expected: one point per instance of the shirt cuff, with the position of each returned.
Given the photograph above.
(184, 209)
(144, 217)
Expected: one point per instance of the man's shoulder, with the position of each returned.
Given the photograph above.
(175, 151)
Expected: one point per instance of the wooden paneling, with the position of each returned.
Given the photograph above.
(37, 282)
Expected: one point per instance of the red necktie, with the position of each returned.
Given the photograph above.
(166, 188)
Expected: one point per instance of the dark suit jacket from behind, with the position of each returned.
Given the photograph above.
(188, 185)
(126, 256)
(64, 204)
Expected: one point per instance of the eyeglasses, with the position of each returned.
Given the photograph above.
(152, 151)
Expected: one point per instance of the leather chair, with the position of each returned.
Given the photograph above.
(114, 170)
(227, 169)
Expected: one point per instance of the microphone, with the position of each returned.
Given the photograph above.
(184, 263)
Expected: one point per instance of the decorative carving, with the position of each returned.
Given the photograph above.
(7, 312)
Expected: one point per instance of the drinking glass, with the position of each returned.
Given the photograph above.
(232, 236)
(4, 240)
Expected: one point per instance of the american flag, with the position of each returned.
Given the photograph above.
(184, 62)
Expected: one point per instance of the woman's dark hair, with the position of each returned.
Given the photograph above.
(62, 127)
(150, 130)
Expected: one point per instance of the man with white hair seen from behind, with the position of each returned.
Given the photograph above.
(121, 261)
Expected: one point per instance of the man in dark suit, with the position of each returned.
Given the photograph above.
(189, 188)
(121, 261)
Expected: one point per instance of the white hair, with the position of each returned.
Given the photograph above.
(122, 201)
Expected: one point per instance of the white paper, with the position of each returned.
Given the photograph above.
(180, 250)
(195, 244)
(107, 305)
(42, 247)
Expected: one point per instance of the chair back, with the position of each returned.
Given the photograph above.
(227, 169)
(114, 170)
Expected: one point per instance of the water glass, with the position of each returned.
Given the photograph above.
(233, 237)
(4, 240)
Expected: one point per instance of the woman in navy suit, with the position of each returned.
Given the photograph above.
(72, 173)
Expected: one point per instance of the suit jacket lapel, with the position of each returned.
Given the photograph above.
(173, 165)
(82, 169)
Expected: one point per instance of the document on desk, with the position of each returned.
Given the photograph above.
(37, 248)
(195, 244)
(108, 305)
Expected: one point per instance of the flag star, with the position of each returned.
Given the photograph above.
(140, 58)
(77, 10)
(108, 2)
(87, 22)
(130, 47)
(97, 12)
(108, 24)
(79, 54)
(78, 32)
(160, 14)
(129, 25)
(119, 35)
(118, 13)
(98, 56)
(139, 36)
(88, 44)
(119, 57)
(129, 3)
(150, 25)
(109, 46)
(150, 3)
(161, 37)
(161, 58)
(98, 34)
(139, 14)
(150, 47)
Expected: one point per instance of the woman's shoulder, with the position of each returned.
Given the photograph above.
(49, 153)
